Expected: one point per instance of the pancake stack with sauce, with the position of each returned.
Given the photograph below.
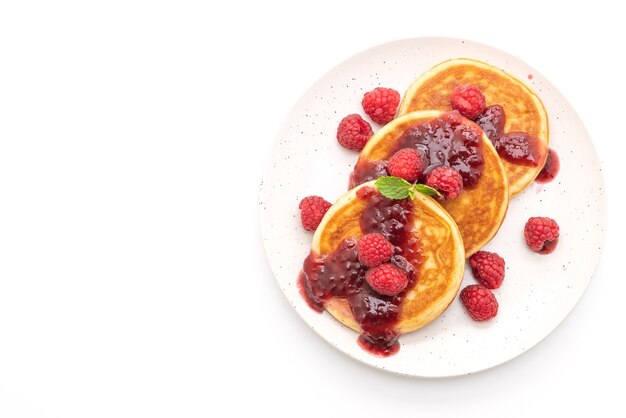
(451, 230)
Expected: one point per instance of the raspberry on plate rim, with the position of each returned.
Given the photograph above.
(541, 234)
(488, 268)
(480, 303)
(353, 132)
(381, 104)
(312, 210)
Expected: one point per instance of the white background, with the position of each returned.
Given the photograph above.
(132, 278)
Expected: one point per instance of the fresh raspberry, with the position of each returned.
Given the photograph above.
(387, 279)
(480, 303)
(542, 234)
(374, 249)
(407, 164)
(446, 180)
(488, 268)
(381, 104)
(468, 100)
(353, 132)
(312, 210)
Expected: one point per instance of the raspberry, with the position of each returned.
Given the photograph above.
(542, 234)
(312, 210)
(468, 100)
(446, 180)
(480, 303)
(353, 132)
(381, 104)
(374, 249)
(488, 268)
(407, 164)
(387, 279)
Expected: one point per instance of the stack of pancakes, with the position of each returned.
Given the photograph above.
(451, 231)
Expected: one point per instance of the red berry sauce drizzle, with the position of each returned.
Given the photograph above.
(445, 140)
(515, 147)
(549, 246)
(340, 275)
(550, 169)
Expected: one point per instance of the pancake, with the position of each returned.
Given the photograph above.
(524, 110)
(478, 210)
(438, 273)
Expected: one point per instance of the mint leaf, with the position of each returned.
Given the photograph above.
(394, 187)
(427, 190)
(398, 188)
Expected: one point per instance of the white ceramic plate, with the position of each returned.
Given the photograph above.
(538, 291)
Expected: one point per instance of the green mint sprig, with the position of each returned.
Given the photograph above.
(398, 188)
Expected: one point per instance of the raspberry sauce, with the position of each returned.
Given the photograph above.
(340, 275)
(367, 170)
(515, 147)
(550, 169)
(492, 121)
(445, 140)
(549, 246)
(518, 148)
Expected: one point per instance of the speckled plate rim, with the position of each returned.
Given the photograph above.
(376, 362)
